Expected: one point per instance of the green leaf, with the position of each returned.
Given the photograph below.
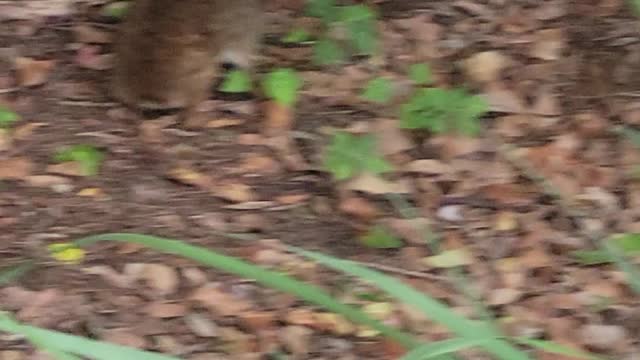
(236, 81)
(273, 279)
(438, 349)
(88, 156)
(327, 52)
(435, 310)
(7, 118)
(57, 342)
(282, 85)
(450, 258)
(116, 10)
(378, 90)
(323, 9)
(635, 5)
(555, 348)
(443, 110)
(420, 74)
(627, 244)
(296, 36)
(360, 21)
(380, 238)
(349, 155)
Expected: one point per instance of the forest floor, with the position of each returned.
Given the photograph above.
(561, 78)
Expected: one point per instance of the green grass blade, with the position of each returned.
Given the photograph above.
(272, 279)
(437, 349)
(555, 348)
(431, 307)
(57, 342)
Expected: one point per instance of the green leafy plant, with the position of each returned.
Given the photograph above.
(7, 118)
(236, 81)
(327, 52)
(349, 155)
(380, 238)
(360, 21)
(297, 36)
(443, 110)
(420, 74)
(378, 90)
(355, 23)
(87, 156)
(116, 10)
(282, 86)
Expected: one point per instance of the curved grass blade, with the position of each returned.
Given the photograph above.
(272, 279)
(57, 342)
(434, 309)
(437, 349)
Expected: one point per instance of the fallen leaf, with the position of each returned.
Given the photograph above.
(71, 168)
(372, 184)
(359, 207)
(161, 278)
(164, 310)
(224, 122)
(450, 258)
(390, 138)
(485, 67)
(296, 339)
(219, 302)
(278, 119)
(31, 72)
(549, 44)
(234, 192)
(15, 168)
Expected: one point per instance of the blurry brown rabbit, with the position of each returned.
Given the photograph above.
(168, 52)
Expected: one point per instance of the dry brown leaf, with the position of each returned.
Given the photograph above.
(22, 132)
(15, 168)
(31, 72)
(201, 326)
(291, 199)
(296, 339)
(372, 184)
(413, 230)
(278, 119)
(219, 302)
(161, 278)
(110, 275)
(359, 207)
(70, 168)
(485, 67)
(501, 99)
(164, 310)
(224, 122)
(391, 139)
(256, 321)
(234, 192)
(429, 167)
(549, 44)
(504, 296)
(124, 337)
(259, 163)
(191, 177)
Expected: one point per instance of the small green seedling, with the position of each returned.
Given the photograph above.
(7, 118)
(360, 21)
(379, 237)
(282, 86)
(378, 90)
(443, 110)
(236, 81)
(297, 36)
(328, 52)
(115, 10)
(88, 157)
(348, 155)
(420, 74)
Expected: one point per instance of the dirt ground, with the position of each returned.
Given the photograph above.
(560, 76)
